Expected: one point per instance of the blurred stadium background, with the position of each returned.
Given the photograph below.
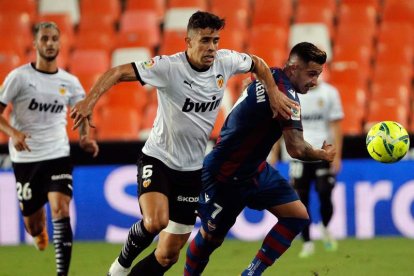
(370, 46)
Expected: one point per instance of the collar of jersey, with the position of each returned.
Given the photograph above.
(43, 72)
(193, 67)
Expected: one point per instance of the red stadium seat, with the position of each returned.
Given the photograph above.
(103, 7)
(172, 42)
(392, 73)
(277, 13)
(389, 32)
(88, 61)
(345, 34)
(198, 4)
(316, 14)
(88, 79)
(350, 53)
(233, 40)
(21, 6)
(352, 123)
(96, 23)
(391, 91)
(394, 53)
(236, 18)
(331, 4)
(347, 73)
(95, 41)
(17, 24)
(398, 11)
(144, 34)
(153, 5)
(128, 95)
(118, 123)
(386, 110)
(358, 14)
(270, 43)
(229, 6)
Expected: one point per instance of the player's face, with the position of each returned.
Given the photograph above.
(202, 45)
(305, 76)
(47, 43)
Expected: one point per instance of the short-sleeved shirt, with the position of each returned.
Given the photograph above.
(320, 106)
(188, 104)
(249, 132)
(39, 109)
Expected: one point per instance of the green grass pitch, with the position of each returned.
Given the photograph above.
(376, 257)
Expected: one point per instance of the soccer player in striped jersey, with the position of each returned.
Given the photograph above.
(235, 173)
(39, 146)
(190, 87)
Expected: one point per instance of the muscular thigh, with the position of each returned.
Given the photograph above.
(181, 188)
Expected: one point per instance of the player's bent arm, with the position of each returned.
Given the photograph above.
(18, 137)
(83, 109)
(111, 77)
(278, 101)
(298, 148)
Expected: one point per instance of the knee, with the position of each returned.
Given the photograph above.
(155, 224)
(60, 210)
(211, 239)
(167, 259)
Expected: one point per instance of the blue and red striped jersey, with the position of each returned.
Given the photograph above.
(250, 131)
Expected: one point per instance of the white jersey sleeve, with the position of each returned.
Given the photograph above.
(155, 71)
(238, 62)
(78, 93)
(336, 112)
(10, 88)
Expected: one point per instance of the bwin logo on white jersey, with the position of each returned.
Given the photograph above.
(45, 107)
(200, 107)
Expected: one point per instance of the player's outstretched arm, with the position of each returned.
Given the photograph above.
(82, 111)
(298, 148)
(279, 102)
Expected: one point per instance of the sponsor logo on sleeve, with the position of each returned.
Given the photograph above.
(148, 64)
(295, 114)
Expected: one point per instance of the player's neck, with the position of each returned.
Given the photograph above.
(46, 66)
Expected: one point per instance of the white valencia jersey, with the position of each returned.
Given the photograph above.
(188, 104)
(39, 107)
(320, 106)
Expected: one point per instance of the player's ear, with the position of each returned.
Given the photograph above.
(188, 41)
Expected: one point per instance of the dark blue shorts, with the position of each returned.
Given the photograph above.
(221, 203)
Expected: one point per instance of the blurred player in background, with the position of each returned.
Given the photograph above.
(39, 145)
(321, 118)
(190, 87)
(235, 173)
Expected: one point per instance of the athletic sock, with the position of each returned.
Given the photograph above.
(62, 240)
(149, 266)
(198, 254)
(276, 242)
(138, 239)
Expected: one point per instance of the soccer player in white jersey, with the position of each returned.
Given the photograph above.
(39, 146)
(321, 118)
(190, 86)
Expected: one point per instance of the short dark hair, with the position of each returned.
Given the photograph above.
(44, 25)
(203, 20)
(308, 52)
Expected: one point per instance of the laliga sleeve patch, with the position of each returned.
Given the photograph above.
(148, 64)
(295, 114)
